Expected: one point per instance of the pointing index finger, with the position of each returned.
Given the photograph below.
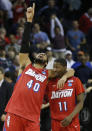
(33, 5)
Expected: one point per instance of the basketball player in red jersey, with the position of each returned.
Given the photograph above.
(23, 109)
(65, 103)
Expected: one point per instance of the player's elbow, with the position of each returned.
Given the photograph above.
(72, 71)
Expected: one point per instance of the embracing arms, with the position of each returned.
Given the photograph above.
(61, 82)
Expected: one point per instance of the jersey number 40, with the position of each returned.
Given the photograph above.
(36, 86)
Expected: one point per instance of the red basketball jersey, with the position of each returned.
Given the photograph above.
(27, 98)
(63, 101)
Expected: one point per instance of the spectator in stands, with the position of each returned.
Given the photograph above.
(3, 39)
(69, 60)
(3, 60)
(85, 21)
(89, 42)
(16, 61)
(46, 12)
(83, 72)
(73, 5)
(15, 26)
(10, 57)
(2, 18)
(57, 35)
(75, 38)
(6, 5)
(21, 22)
(10, 78)
(19, 34)
(88, 62)
(16, 64)
(13, 43)
(78, 63)
(5, 93)
(19, 9)
(50, 58)
(11, 53)
(40, 37)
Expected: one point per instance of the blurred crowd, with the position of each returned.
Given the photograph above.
(62, 29)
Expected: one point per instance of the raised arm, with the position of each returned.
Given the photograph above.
(24, 52)
(59, 25)
(52, 27)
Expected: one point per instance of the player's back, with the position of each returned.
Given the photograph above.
(63, 101)
(28, 93)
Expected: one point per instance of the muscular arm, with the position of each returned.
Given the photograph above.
(61, 82)
(53, 74)
(78, 107)
(24, 52)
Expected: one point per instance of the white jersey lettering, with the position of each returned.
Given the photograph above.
(38, 77)
(62, 93)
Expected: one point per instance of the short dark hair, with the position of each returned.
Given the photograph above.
(61, 61)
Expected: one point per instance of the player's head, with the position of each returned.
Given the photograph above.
(60, 65)
(41, 58)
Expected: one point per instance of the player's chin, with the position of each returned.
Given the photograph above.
(41, 61)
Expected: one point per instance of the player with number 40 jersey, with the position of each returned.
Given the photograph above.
(28, 95)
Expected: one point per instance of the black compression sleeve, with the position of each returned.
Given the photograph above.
(26, 38)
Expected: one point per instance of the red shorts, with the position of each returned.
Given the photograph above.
(17, 123)
(57, 127)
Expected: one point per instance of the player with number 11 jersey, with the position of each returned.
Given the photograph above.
(63, 102)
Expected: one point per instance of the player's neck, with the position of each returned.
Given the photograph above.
(38, 65)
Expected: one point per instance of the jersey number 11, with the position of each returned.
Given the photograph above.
(61, 105)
